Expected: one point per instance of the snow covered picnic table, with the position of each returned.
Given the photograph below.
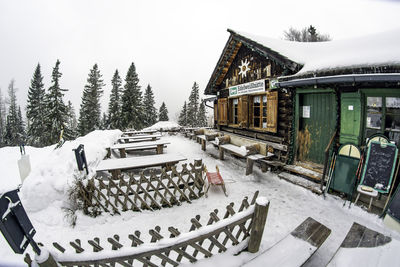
(115, 166)
(130, 133)
(158, 145)
(139, 138)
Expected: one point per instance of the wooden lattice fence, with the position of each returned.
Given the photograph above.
(138, 192)
(244, 225)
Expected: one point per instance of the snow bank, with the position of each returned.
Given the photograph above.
(51, 177)
(375, 49)
(164, 126)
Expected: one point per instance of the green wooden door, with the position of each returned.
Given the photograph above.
(317, 121)
(350, 118)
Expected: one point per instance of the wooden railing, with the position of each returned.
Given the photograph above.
(245, 225)
(139, 192)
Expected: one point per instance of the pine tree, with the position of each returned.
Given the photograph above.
(114, 106)
(2, 118)
(163, 113)
(150, 112)
(56, 110)
(72, 123)
(202, 119)
(90, 112)
(14, 131)
(193, 106)
(182, 120)
(132, 109)
(104, 122)
(36, 110)
(307, 34)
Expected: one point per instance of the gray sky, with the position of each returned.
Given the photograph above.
(172, 43)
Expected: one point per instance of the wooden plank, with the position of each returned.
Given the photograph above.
(303, 171)
(234, 150)
(361, 236)
(294, 179)
(299, 243)
(128, 146)
(138, 162)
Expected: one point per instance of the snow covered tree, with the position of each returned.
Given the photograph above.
(163, 113)
(14, 131)
(2, 118)
(132, 109)
(36, 110)
(182, 120)
(150, 112)
(90, 112)
(56, 110)
(202, 119)
(114, 106)
(307, 34)
(193, 106)
(72, 123)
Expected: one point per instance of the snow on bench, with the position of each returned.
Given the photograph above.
(158, 145)
(139, 138)
(129, 133)
(365, 247)
(296, 248)
(115, 166)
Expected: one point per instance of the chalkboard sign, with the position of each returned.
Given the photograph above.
(379, 166)
(394, 205)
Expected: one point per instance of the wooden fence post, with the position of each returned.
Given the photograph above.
(258, 224)
(45, 259)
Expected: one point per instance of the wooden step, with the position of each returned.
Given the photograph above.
(303, 172)
(297, 180)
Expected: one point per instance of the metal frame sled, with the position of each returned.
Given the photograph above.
(215, 179)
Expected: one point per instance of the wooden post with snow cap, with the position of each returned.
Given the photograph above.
(45, 259)
(258, 224)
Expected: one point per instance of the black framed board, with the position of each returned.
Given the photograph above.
(379, 166)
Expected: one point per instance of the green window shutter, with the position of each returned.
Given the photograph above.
(350, 118)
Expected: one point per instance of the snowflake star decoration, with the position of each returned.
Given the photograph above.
(244, 68)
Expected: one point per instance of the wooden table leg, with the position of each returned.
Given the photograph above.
(122, 152)
(115, 174)
(249, 166)
(160, 149)
(221, 153)
(203, 144)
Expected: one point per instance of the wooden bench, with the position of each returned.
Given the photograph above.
(360, 236)
(131, 133)
(240, 152)
(115, 166)
(296, 248)
(203, 138)
(139, 138)
(158, 145)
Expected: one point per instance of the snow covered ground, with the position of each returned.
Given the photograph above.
(44, 193)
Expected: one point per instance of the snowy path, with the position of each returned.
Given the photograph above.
(290, 205)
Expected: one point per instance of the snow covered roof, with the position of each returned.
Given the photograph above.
(375, 50)
(376, 53)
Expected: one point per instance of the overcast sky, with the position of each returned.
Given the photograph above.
(172, 43)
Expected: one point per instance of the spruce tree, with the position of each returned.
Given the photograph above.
(36, 108)
(132, 109)
(14, 131)
(72, 123)
(202, 119)
(90, 112)
(182, 120)
(150, 112)
(104, 122)
(114, 106)
(163, 113)
(193, 106)
(56, 110)
(2, 118)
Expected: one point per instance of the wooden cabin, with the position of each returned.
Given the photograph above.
(303, 95)
(248, 102)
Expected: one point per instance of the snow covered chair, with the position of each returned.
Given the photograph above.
(215, 179)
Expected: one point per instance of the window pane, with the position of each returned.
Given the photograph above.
(257, 111)
(264, 111)
(257, 122)
(235, 101)
(265, 100)
(256, 99)
(374, 102)
(374, 112)
(374, 120)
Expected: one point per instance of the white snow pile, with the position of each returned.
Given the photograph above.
(372, 50)
(57, 167)
(164, 126)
